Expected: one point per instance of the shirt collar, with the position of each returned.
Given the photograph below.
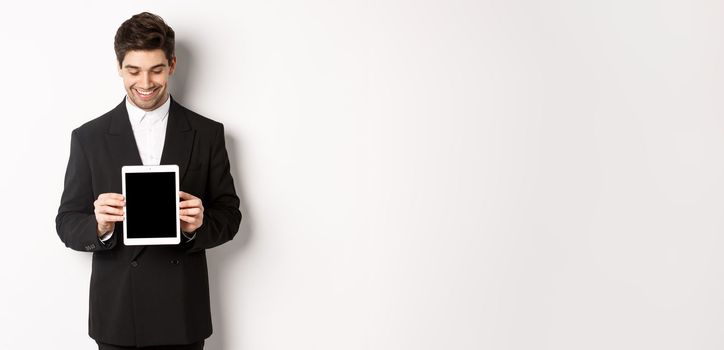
(137, 115)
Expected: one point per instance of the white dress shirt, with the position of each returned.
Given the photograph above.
(149, 130)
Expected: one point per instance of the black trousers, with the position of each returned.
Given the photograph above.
(194, 346)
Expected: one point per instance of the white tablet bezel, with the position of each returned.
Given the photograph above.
(151, 169)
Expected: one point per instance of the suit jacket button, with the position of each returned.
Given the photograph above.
(134, 263)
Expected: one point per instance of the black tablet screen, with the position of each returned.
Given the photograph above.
(150, 205)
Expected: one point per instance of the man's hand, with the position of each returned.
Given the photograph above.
(108, 210)
(191, 212)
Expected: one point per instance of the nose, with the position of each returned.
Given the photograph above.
(145, 81)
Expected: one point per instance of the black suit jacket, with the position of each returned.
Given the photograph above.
(148, 295)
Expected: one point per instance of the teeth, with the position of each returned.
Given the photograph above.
(144, 93)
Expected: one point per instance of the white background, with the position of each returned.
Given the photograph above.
(414, 174)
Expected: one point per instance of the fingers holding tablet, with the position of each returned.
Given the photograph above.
(108, 209)
(191, 212)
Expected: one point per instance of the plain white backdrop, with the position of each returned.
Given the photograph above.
(419, 175)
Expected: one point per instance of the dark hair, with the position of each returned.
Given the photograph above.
(144, 31)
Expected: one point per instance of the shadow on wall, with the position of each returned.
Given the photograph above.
(184, 63)
(222, 259)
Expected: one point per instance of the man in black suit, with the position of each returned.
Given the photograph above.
(148, 296)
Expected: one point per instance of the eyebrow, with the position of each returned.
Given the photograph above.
(128, 66)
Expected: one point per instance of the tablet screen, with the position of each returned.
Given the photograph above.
(150, 206)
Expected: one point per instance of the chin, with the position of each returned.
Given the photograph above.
(146, 104)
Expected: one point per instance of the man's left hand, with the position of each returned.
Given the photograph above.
(191, 212)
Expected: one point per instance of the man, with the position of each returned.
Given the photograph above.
(148, 296)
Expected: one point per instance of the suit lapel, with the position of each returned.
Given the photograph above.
(121, 143)
(179, 139)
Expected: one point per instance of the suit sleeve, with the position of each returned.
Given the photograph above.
(76, 223)
(221, 205)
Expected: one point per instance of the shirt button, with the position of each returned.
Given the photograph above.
(134, 263)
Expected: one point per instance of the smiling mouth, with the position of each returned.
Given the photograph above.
(145, 93)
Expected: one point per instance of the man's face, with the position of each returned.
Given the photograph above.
(145, 76)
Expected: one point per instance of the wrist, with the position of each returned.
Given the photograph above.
(102, 230)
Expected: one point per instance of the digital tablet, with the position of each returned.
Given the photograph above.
(152, 205)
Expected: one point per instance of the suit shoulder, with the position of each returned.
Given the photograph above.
(94, 126)
(198, 121)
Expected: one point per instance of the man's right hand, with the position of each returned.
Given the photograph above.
(108, 210)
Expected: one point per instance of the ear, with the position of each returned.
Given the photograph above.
(172, 65)
(118, 68)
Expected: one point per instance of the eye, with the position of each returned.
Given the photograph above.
(133, 72)
(158, 71)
